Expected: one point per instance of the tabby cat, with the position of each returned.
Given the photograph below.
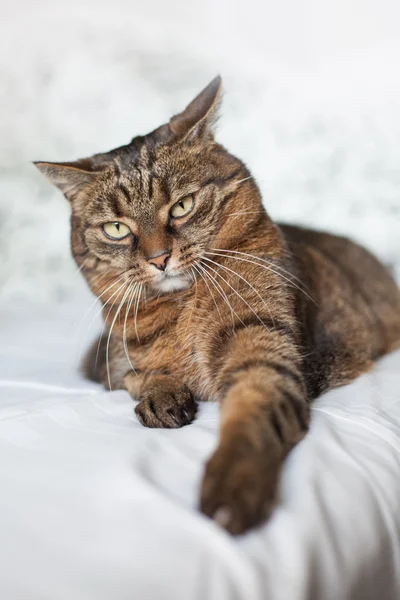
(206, 298)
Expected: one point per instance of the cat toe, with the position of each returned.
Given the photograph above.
(169, 410)
(238, 493)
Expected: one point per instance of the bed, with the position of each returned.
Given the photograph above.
(95, 507)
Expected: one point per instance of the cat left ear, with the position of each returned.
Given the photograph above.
(70, 178)
(198, 119)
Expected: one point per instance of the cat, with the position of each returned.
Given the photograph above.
(206, 298)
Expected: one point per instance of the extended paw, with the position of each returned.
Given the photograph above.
(160, 407)
(239, 489)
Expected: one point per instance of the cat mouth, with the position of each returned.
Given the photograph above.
(172, 281)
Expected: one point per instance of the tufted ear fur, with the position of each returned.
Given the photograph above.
(69, 177)
(198, 119)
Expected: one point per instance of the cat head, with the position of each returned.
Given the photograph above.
(148, 211)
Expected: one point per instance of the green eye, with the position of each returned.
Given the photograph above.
(116, 231)
(182, 207)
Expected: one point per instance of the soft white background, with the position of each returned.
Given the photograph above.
(92, 505)
(312, 104)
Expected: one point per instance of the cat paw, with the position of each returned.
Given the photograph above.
(170, 409)
(238, 491)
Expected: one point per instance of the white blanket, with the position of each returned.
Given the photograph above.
(93, 506)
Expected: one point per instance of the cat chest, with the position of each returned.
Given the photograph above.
(172, 345)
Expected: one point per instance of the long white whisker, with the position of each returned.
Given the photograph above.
(263, 260)
(105, 320)
(209, 289)
(242, 180)
(92, 321)
(239, 295)
(247, 282)
(137, 308)
(109, 335)
(192, 275)
(79, 269)
(144, 295)
(217, 286)
(132, 291)
(246, 212)
(97, 299)
(114, 281)
(189, 342)
(267, 267)
(193, 306)
(221, 291)
(115, 293)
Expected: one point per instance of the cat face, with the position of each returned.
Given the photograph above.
(149, 210)
(154, 210)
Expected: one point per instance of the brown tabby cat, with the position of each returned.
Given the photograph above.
(205, 297)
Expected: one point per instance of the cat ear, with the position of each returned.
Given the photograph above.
(69, 177)
(198, 119)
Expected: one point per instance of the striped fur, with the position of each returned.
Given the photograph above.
(263, 318)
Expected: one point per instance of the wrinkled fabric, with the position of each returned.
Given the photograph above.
(93, 506)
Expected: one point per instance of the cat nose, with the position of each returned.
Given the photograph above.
(160, 260)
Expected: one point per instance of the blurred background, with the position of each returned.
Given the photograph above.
(312, 105)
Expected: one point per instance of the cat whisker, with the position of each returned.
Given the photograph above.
(104, 305)
(194, 304)
(209, 289)
(145, 295)
(138, 296)
(106, 318)
(238, 294)
(263, 260)
(92, 304)
(114, 282)
(109, 335)
(93, 320)
(242, 180)
(193, 275)
(246, 212)
(222, 293)
(266, 266)
(132, 291)
(247, 282)
(79, 269)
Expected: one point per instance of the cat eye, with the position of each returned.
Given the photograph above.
(116, 230)
(182, 207)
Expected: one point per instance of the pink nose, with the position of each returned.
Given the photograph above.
(160, 261)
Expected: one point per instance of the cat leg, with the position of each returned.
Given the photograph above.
(264, 414)
(162, 403)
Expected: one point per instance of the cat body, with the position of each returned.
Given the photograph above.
(206, 298)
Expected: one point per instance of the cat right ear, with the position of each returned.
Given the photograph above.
(198, 119)
(70, 178)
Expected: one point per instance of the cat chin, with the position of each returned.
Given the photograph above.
(171, 283)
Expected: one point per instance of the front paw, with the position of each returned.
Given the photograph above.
(239, 487)
(170, 408)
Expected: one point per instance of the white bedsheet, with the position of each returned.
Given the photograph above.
(93, 506)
